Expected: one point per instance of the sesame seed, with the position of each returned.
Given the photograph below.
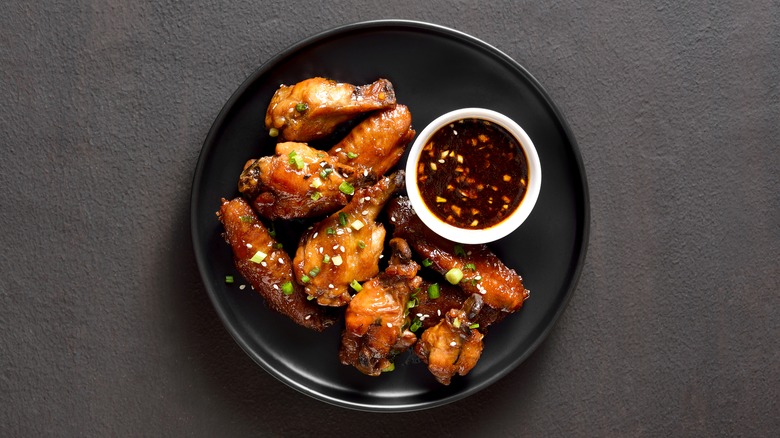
(419, 315)
(315, 235)
(438, 312)
(248, 245)
(280, 260)
(381, 256)
(276, 287)
(367, 198)
(342, 248)
(330, 286)
(337, 150)
(264, 264)
(242, 287)
(320, 250)
(335, 246)
(307, 317)
(453, 343)
(389, 325)
(365, 213)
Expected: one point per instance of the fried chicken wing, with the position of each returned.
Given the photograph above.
(454, 345)
(314, 108)
(345, 246)
(297, 182)
(430, 311)
(377, 143)
(483, 272)
(267, 267)
(376, 319)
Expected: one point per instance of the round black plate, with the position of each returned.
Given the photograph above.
(434, 70)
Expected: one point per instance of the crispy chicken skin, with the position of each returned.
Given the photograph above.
(376, 319)
(378, 142)
(452, 346)
(501, 287)
(297, 182)
(273, 275)
(314, 108)
(345, 246)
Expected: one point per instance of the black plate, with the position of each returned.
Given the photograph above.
(434, 70)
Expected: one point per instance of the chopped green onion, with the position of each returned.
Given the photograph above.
(433, 291)
(273, 132)
(388, 368)
(351, 155)
(427, 263)
(314, 271)
(459, 251)
(258, 257)
(456, 323)
(361, 244)
(330, 231)
(301, 107)
(305, 278)
(411, 303)
(315, 196)
(325, 172)
(311, 297)
(474, 326)
(355, 285)
(454, 276)
(279, 246)
(272, 231)
(337, 261)
(416, 324)
(296, 160)
(346, 188)
(229, 279)
(326, 259)
(343, 219)
(471, 266)
(316, 183)
(245, 219)
(287, 288)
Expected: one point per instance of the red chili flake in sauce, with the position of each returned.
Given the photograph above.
(472, 173)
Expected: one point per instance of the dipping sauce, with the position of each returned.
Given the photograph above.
(472, 173)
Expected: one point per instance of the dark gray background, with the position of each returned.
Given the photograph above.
(108, 331)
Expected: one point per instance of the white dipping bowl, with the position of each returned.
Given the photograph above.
(509, 223)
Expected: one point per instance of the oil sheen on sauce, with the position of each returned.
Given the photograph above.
(472, 173)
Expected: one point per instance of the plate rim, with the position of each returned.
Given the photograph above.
(386, 24)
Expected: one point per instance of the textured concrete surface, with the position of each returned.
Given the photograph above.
(106, 327)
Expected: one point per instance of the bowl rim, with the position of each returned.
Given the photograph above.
(511, 222)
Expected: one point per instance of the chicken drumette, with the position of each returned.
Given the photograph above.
(454, 345)
(297, 182)
(314, 108)
(376, 319)
(346, 246)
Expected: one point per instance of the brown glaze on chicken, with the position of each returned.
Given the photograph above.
(483, 272)
(377, 143)
(297, 182)
(314, 108)
(345, 246)
(376, 319)
(266, 267)
(430, 311)
(452, 346)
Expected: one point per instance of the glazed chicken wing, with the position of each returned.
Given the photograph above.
(297, 182)
(454, 345)
(314, 108)
(483, 272)
(376, 318)
(430, 311)
(267, 267)
(345, 246)
(377, 143)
